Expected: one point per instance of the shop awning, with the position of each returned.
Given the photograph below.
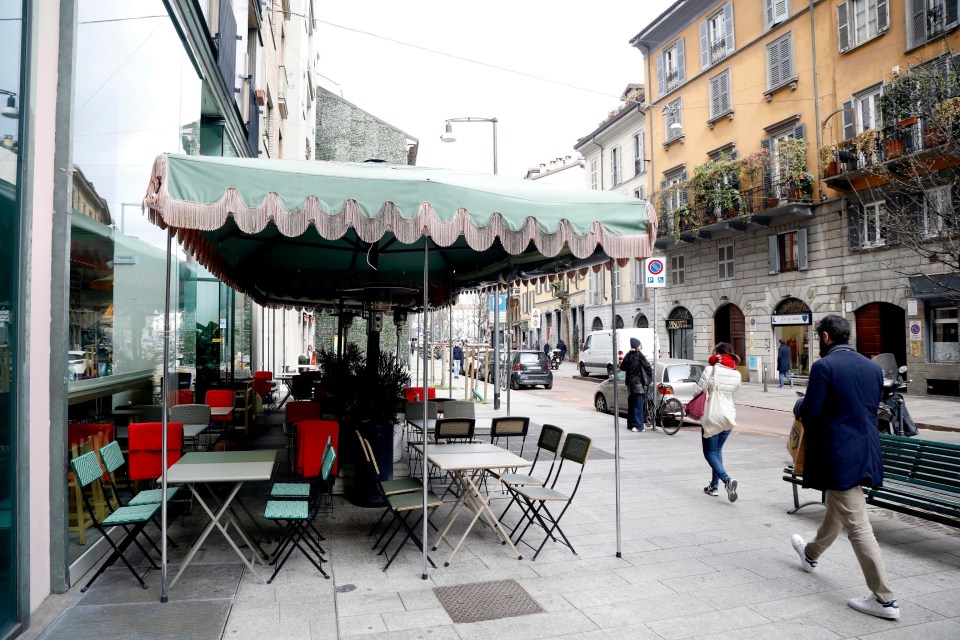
(299, 233)
(942, 286)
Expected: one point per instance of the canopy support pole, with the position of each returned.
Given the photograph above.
(425, 431)
(496, 349)
(164, 385)
(614, 277)
(450, 344)
(509, 334)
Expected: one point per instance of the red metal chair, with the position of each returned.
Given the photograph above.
(145, 445)
(311, 441)
(297, 411)
(415, 394)
(220, 398)
(184, 396)
(263, 387)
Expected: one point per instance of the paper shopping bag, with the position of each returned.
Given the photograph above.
(796, 446)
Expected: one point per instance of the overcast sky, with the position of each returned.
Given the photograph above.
(584, 44)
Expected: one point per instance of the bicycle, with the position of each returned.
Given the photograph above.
(668, 412)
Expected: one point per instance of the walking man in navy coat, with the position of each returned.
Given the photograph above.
(839, 415)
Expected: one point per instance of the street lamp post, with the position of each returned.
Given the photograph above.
(449, 137)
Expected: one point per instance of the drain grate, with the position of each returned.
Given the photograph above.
(486, 601)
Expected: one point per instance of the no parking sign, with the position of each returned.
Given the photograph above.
(916, 333)
(655, 272)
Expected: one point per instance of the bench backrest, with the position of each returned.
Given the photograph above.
(935, 465)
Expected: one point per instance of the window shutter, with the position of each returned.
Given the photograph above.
(780, 10)
(950, 13)
(684, 196)
(728, 27)
(843, 27)
(715, 105)
(773, 255)
(799, 131)
(883, 16)
(681, 64)
(919, 23)
(802, 249)
(854, 216)
(786, 58)
(773, 66)
(663, 185)
(661, 76)
(704, 46)
(849, 121)
(767, 14)
(724, 87)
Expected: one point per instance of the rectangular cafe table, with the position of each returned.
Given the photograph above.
(468, 463)
(212, 467)
(481, 426)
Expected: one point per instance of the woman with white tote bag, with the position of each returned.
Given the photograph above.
(721, 380)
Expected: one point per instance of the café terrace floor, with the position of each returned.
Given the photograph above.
(692, 565)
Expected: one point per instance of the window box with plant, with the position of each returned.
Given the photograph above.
(792, 165)
(715, 189)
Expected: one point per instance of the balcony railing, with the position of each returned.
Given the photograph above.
(673, 79)
(718, 51)
(688, 218)
(865, 153)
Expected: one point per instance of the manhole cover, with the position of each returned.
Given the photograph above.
(486, 601)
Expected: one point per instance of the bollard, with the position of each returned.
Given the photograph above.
(764, 378)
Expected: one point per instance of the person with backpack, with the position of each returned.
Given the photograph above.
(639, 374)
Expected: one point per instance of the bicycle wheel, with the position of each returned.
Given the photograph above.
(649, 411)
(671, 416)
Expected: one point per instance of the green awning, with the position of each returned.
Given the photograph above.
(300, 232)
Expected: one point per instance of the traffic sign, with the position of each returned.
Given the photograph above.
(655, 272)
(535, 318)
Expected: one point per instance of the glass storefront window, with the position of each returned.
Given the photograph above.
(11, 99)
(946, 341)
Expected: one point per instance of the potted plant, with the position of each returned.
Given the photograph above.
(828, 160)
(944, 121)
(715, 185)
(892, 145)
(865, 145)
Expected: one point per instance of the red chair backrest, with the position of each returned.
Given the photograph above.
(311, 441)
(414, 394)
(219, 398)
(261, 382)
(298, 411)
(79, 431)
(145, 442)
(184, 396)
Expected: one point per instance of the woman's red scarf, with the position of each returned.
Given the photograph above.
(725, 360)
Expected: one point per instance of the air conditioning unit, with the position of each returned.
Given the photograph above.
(261, 96)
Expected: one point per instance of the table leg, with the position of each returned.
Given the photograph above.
(483, 509)
(215, 522)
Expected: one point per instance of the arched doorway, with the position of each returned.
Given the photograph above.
(641, 322)
(597, 325)
(680, 330)
(619, 322)
(791, 322)
(729, 326)
(881, 329)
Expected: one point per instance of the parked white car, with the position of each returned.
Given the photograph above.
(675, 376)
(597, 355)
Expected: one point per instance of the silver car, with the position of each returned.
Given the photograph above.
(674, 377)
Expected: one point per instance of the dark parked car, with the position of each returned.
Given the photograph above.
(530, 368)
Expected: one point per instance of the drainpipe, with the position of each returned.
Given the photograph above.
(816, 101)
(594, 141)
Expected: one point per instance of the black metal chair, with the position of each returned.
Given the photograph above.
(549, 442)
(576, 449)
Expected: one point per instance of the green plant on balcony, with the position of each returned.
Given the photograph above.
(753, 166)
(865, 145)
(792, 161)
(714, 184)
(944, 121)
(828, 159)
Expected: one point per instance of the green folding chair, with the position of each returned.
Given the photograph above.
(131, 519)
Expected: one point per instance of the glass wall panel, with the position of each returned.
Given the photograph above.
(136, 95)
(11, 81)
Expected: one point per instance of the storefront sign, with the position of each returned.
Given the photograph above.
(678, 324)
(790, 319)
(916, 332)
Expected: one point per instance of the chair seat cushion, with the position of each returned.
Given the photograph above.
(286, 510)
(519, 479)
(131, 515)
(290, 490)
(151, 496)
(542, 493)
(409, 501)
(401, 485)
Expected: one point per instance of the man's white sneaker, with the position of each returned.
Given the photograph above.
(731, 490)
(870, 605)
(800, 546)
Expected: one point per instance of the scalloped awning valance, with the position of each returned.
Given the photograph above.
(299, 232)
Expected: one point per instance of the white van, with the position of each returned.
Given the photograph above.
(597, 355)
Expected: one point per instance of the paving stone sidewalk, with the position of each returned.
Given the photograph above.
(692, 566)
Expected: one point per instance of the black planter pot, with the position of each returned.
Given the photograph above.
(364, 492)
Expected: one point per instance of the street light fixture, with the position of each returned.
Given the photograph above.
(10, 111)
(448, 136)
